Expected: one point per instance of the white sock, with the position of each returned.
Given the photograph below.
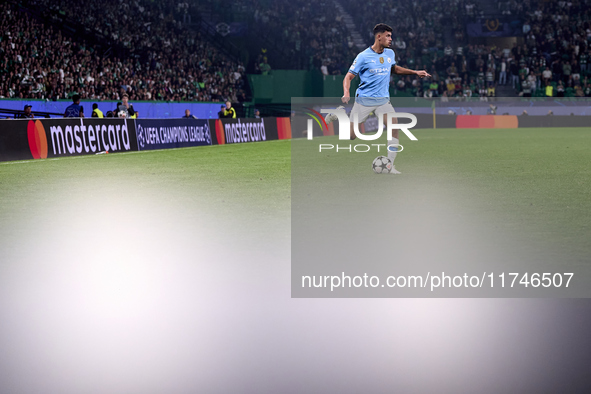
(392, 151)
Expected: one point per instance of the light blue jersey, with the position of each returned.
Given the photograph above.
(374, 70)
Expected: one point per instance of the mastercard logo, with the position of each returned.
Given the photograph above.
(219, 131)
(37, 139)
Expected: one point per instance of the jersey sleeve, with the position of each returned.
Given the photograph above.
(393, 56)
(357, 65)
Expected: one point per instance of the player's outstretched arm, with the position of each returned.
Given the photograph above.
(406, 71)
(346, 86)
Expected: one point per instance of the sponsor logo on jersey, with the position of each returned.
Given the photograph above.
(379, 71)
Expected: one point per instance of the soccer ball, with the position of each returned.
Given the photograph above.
(381, 165)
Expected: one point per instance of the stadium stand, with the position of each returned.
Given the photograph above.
(293, 35)
(432, 35)
(153, 50)
(159, 56)
(314, 34)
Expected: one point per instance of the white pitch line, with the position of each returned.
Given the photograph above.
(127, 153)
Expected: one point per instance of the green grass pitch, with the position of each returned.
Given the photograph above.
(533, 179)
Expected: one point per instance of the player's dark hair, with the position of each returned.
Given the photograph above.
(76, 98)
(381, 28)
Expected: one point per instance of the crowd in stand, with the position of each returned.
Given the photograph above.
(553, 61)
(556, 49)
(418, 26)
(313, 34)
(132, 24)
(419, 42)
(307, 32)
(167, 61)
(301, 34)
